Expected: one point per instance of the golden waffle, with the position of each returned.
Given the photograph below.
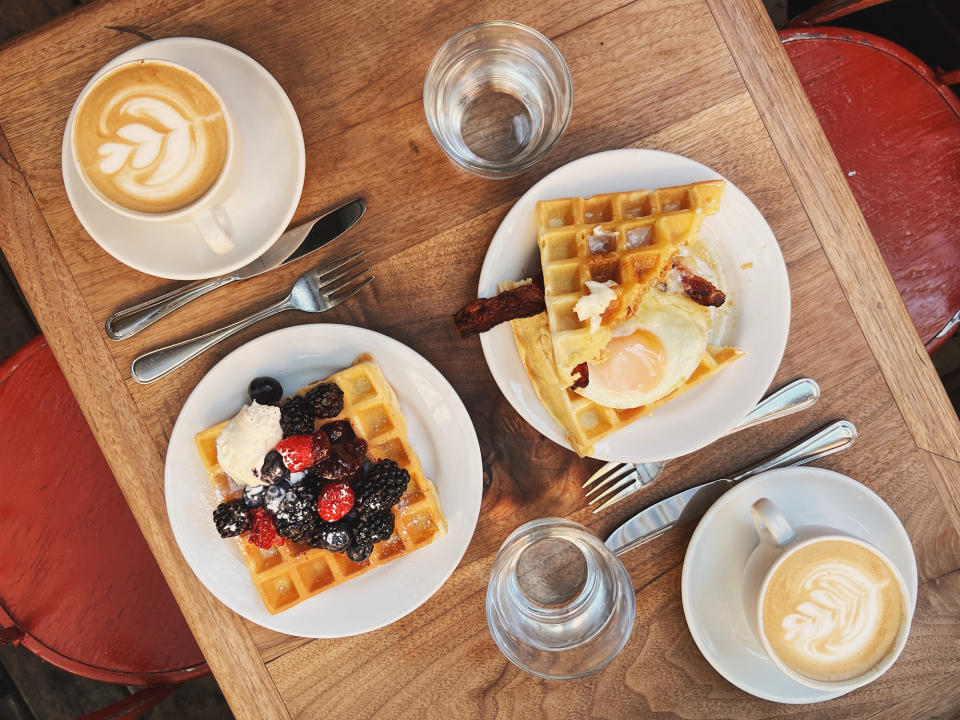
(584, 421)
(640, 233)
(293, 572)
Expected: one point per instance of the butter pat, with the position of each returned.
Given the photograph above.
(592, 305)
(245, 441)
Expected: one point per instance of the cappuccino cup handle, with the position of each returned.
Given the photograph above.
(772, 526)
(214, 224)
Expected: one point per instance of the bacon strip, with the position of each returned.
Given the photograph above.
(584, 372)
(481, 315)
(700, 290)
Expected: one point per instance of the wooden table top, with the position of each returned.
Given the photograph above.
(704, 78)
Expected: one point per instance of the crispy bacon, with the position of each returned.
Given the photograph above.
(584, 372)
(481, 315)
(700, 290)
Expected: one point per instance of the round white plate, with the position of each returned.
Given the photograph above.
(440, 432)
(718, 551)
(270, 181)
(756, 285)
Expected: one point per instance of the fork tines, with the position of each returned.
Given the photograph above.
(342, 277)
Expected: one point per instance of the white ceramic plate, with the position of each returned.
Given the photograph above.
(272, 157)
(755, 281)
(440, 432)
(718, 551)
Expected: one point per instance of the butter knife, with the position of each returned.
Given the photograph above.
(294, 244)
(693, 503)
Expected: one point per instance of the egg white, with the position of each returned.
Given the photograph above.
(682, 326)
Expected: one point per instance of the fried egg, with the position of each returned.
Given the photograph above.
(651, 353)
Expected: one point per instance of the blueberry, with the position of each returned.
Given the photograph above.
(273, 495)
(273, 469)
(253, 495)
(359, 553)
(265, 390)
(336, 536)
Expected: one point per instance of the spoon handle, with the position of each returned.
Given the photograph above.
(129, 321)
(155, 364)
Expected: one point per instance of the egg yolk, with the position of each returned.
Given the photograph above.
(633, 362)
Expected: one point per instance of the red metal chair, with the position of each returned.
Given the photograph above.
(896, 133)
(78, 585)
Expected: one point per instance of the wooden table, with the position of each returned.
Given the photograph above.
(705, 78)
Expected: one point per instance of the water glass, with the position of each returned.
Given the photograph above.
(559, 603)
(497, 96)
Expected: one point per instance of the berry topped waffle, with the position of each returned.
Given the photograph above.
(341, 493)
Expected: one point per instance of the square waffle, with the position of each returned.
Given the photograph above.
(627, 237)
(290, 573)
(584, 421)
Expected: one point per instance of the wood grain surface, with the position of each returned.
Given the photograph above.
(704, 78)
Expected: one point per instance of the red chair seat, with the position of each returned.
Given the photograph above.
(76, 575)
(896, 134)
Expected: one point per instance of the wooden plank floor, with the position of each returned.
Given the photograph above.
(31, 689)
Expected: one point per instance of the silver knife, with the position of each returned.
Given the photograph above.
(693, 503)
(292, 245)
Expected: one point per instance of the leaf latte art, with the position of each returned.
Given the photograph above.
(832, 610)
(151, 136)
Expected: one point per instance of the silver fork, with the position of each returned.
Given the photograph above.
(317, 290)
(625, 479)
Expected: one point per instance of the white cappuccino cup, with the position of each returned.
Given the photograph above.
(152, 140)
(830, 610)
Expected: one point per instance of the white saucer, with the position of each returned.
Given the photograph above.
(440, 431)
(754, 279)
(270, 181)
(718, 551)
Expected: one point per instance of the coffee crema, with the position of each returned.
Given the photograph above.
(833, 610)
(151, 136)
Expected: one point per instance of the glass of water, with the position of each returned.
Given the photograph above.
(559, 603)
(497, 96)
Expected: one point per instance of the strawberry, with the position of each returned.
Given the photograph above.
(263, 534)
(297, 452)
(335, 501)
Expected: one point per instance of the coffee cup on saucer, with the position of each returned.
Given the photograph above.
(830, 610)
(152, 140)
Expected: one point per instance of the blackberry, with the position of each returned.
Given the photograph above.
(303, 530)
(296, 417)
(359, 553)
(265, 390)
(274, 494)
(334, 536)
(273, 469)
(326, 400)
(373, 529)
(253, 495)
(295, 507)
(382, 489)
(232, 518)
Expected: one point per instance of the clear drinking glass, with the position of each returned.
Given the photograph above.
(497, 96)
(559, 603)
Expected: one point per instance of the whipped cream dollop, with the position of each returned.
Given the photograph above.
(839, 613)
(592, 305)
(245, 441)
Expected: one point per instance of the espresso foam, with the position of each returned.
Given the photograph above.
(833, 610)
(151, 137)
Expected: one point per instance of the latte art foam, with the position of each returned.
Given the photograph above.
(832, 610)
(151, 137)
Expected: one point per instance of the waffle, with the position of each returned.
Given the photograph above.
(584, 421)
(640, 231)
(287, 574)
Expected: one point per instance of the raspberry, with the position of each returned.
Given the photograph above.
(297, 452)
(336, 500)
(263, 534)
